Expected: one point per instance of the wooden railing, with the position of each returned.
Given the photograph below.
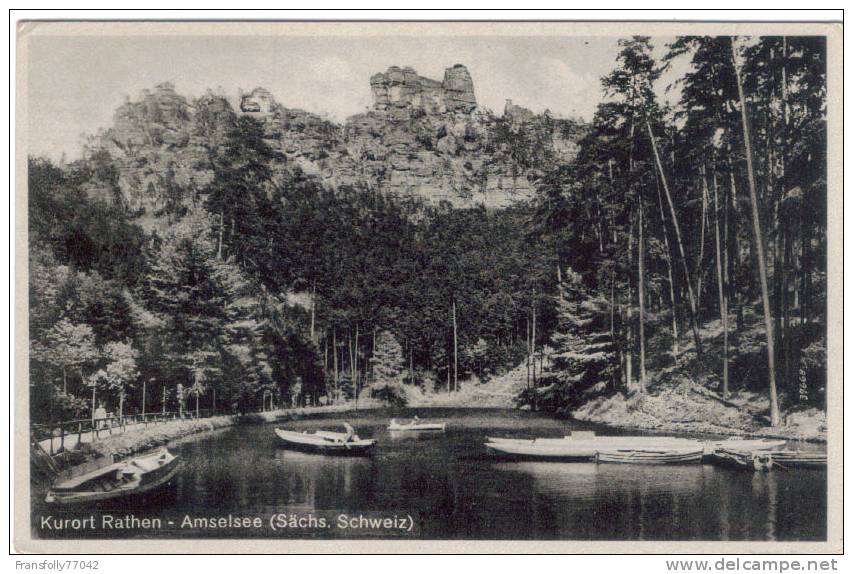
(56, 435)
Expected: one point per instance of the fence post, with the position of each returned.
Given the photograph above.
(62, 437)
(79, 433)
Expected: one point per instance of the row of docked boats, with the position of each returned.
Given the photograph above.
(585, 446)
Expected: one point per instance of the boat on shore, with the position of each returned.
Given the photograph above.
(132, 477)
(326, 442)
(415, 425)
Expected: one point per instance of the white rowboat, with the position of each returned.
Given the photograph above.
(414, 425)
(325, 442)
(131, 477)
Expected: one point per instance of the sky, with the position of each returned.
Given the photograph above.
(75, 83)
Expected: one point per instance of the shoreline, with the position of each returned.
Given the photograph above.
(613, 412)
(138, 441)
(687, 409)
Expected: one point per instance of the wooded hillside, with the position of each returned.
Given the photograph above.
(190, 252)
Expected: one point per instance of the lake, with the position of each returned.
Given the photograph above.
(445, 486)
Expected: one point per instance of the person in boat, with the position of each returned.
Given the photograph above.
(350, 433)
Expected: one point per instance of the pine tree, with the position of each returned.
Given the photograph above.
(583, 361)
(387, 366)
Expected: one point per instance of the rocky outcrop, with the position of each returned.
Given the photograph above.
(458, 89)
(517, 114)
(404, 88)
(258, 101)
(423, 139)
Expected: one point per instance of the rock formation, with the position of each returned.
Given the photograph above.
(258, 101)
(423, 139)
(458, 89)
(404, 88)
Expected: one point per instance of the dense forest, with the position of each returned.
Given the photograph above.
(187, 262)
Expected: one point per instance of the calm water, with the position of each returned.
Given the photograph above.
(452, 489)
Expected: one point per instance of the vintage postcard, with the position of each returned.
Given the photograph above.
(428, 287)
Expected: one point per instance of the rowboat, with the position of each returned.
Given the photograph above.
(131, 477)
(743, 460)
(415, 425)
(326, 442)
(651, 455)
(767, 460)
(580, 446)
(740, 444)
(799, 459)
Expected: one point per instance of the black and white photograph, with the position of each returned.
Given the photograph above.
(307, 282)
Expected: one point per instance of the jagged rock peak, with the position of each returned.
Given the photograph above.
(404, 88)
(259, 101)
(517, 114)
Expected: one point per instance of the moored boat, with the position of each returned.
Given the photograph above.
(799, 459)
(769, 459)
(326, 442)
(742, 444)
(743, 460)
(672, 455)
(581, 446)
(136, 476)
(415, 425)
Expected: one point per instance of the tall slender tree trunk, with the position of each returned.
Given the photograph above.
(455, 352)
(693, 312)
(221, 230)
(335, 361)
(699, 268)
(721, 291)
(613, 381)
(629, 323)
(559, 279)
(786, 232)
(641, 299)
(94, 406)
(533, 340)
(527, 331)
(759, 245)
(668, 260)
(313, 306)
(355, 364)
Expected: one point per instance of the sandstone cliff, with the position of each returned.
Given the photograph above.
(423, 138)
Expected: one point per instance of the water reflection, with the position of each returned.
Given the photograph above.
(458, 491)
